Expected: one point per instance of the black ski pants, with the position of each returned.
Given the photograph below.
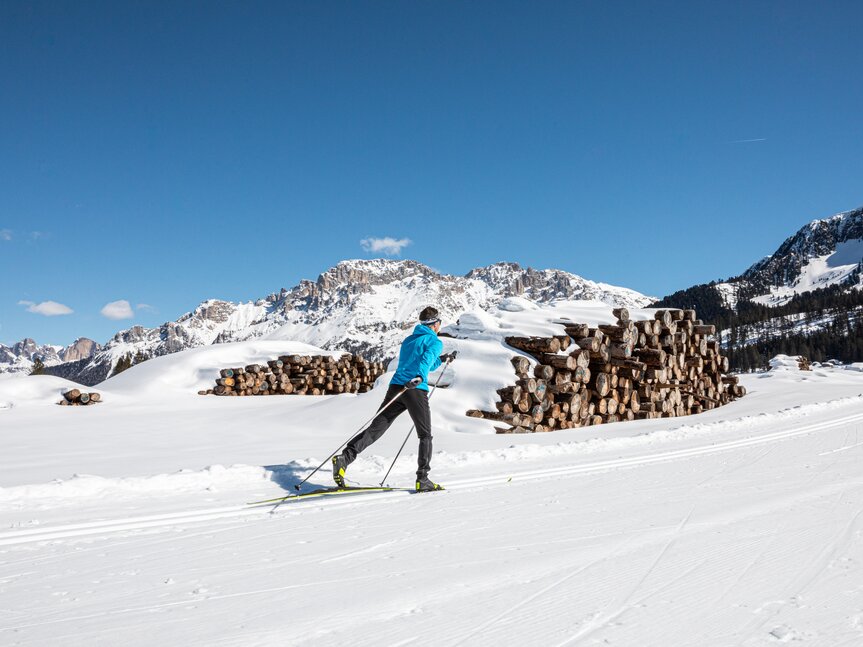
(416, 402)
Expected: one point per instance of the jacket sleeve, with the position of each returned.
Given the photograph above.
(431, 357)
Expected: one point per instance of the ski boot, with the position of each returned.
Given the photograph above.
(425, 484)
(339, 467)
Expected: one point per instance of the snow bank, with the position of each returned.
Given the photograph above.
(34, 390)
(784, 363)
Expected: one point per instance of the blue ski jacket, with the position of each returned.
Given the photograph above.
(419, 354)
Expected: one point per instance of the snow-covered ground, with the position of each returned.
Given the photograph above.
(125, 523)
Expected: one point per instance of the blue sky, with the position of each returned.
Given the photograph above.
(162, 153)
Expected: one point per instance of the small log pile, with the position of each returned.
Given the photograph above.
(803, 363)
(659, 368)
(300, 375)
(77, 398)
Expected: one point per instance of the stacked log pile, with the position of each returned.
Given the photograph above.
(803, 363)
(299, 375)
(664, 367)
(77, 398)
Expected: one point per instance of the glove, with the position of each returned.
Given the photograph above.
(448, 357)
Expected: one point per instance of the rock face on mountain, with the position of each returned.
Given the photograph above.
(81, 348)
(824, 252)
(363, 306)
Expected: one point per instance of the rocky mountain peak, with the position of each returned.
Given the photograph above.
(819, 238)
(81, 348)
(360, 273)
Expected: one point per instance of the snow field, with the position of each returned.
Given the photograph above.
(126, 523)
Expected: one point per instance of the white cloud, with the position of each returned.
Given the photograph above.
(5, 234)
(388, 246)
(118, 310)
(47, 308)
(146, 307)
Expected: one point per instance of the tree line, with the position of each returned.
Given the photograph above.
(757, 332)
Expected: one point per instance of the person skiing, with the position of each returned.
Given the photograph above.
(420, 353)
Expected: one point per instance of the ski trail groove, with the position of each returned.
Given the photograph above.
(16, 537)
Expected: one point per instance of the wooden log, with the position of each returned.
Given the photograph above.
(577, 331)
(504, 407)
(591, 344)
(521, 364)
(72, 395)
(562, 389)
(561, 377)
(539, 393)
(621, 351)
(544, 371)
(514, 430)
(582, 357)
(561, 362)
(664, 317)
(622, 314)
(528, 385)
(651, 357)
(600, 384)
(510, 393)
(534, 344)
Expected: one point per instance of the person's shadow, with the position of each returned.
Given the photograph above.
(288, 475)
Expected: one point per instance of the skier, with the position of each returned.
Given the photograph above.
(419, 354)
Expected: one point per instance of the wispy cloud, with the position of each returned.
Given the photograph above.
(47, 308)
(387, 245)
(146, 307)
(5, 234)
(118, 310)
(749, 141)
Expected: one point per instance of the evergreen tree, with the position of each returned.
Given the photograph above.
(38, 367)
(123, 363)
(140, 357)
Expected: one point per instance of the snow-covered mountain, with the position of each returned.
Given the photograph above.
(805, 298)
(20, 356)
(357, 306)
(824, 253)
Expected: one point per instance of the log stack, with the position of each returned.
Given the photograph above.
(78, 398)
(803, 363)
(658, 368)
(299, 375)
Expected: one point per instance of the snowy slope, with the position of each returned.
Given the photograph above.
(826, 252)
(821, 272)
(125, 523)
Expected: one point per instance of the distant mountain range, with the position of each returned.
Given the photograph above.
(810, 285)
(805, 298)
(360, 306)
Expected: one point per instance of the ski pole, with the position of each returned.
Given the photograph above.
(434, 386)
(410, 385)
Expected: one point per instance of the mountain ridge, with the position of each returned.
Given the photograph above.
(358, 305)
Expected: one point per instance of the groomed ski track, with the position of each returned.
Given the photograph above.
(195, 516)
